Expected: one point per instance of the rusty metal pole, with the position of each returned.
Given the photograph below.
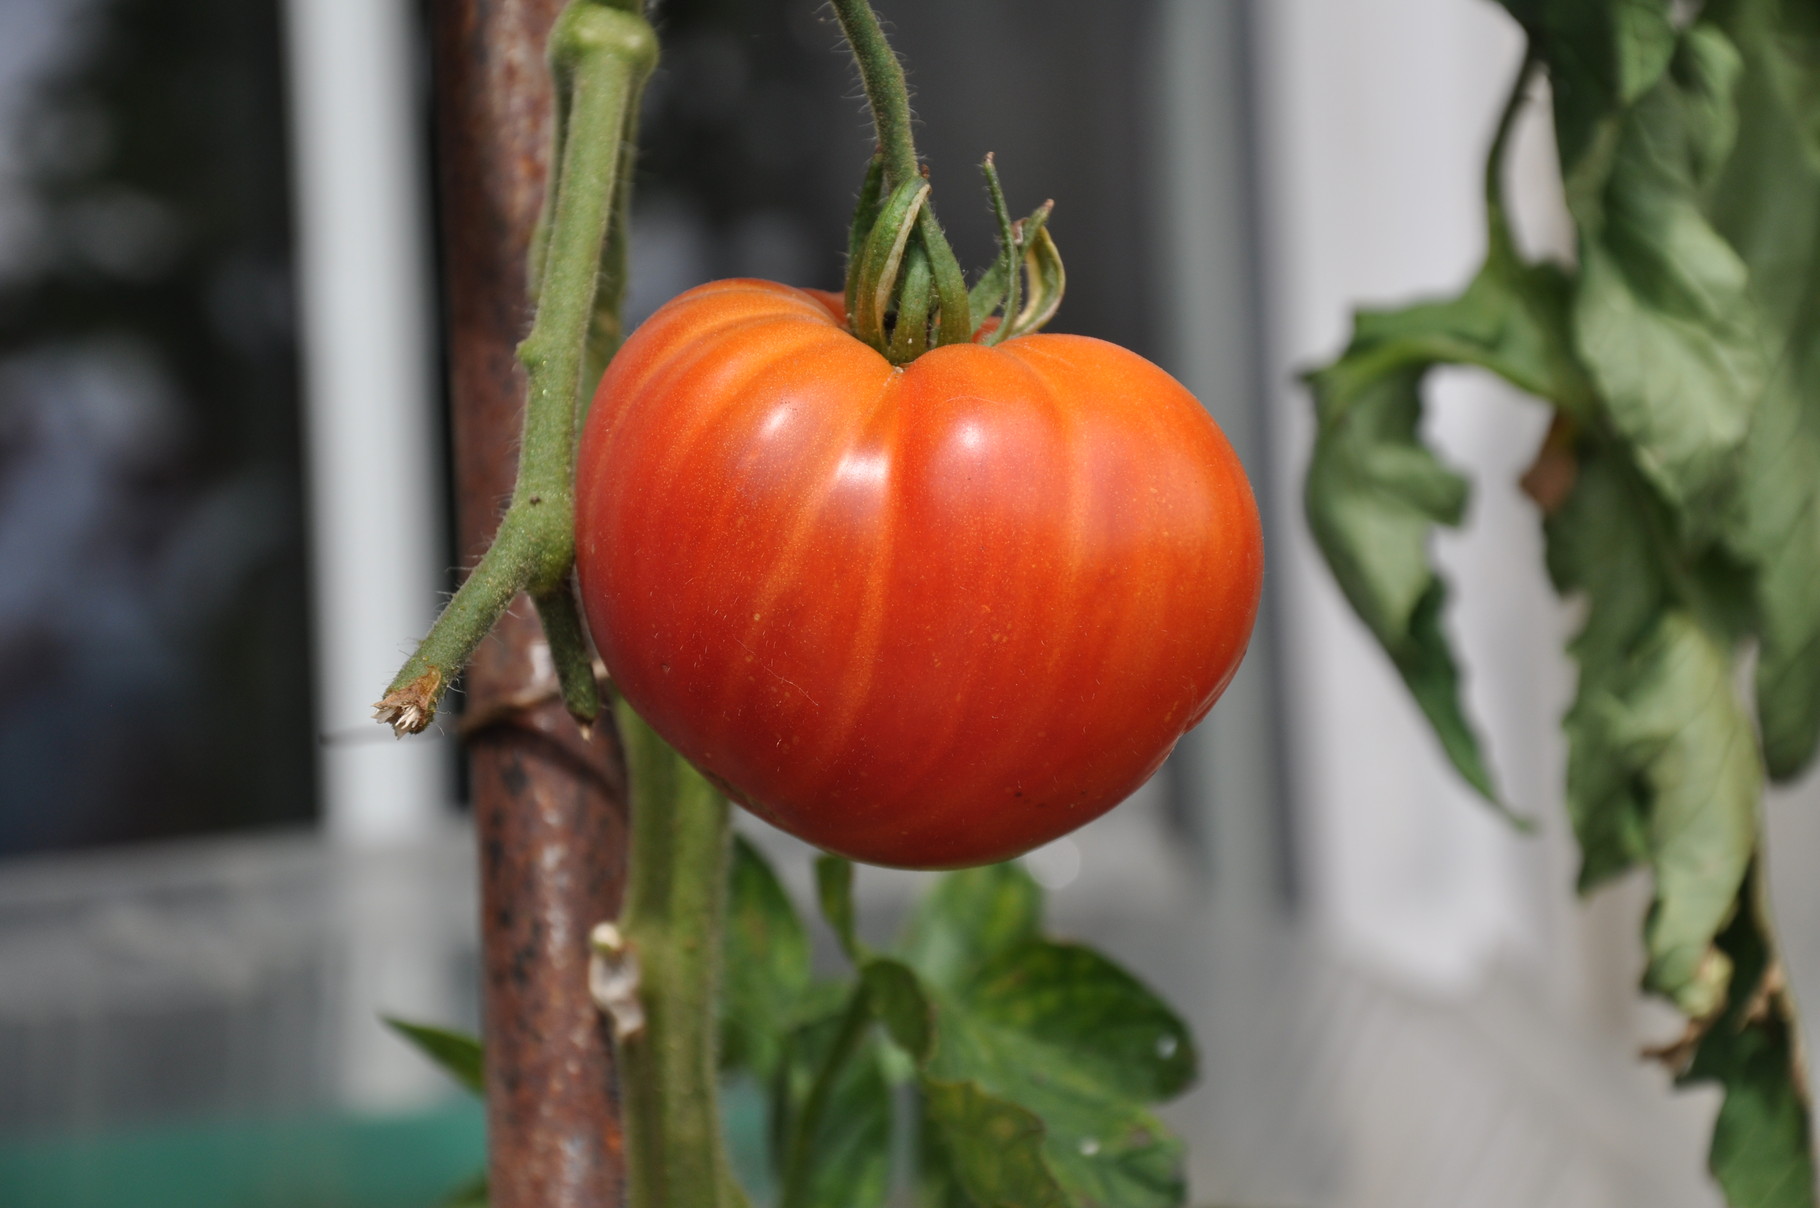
(549, 806)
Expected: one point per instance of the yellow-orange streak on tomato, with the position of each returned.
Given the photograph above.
(926, 616)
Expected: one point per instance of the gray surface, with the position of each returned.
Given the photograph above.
(229, 977)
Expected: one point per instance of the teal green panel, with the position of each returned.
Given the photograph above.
(404, 1161)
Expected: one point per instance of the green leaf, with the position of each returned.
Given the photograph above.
(1602, 544)
(850, 1146)
(461, 1056)
(1683, 355)
(1375, 492)
(969, 917)
(1035, 1072)
(1602, 56)
(1072, 999)
(767, 971)
(900, 1002)
(471, 1194)
(1692, 745)
(993, 1149)
(1768, 206)
(1662, 764)
(1781, 43)
(834, 890)
(1760, 1153)
(1663, 316)
(1782, 506)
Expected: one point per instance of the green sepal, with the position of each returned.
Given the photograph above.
(1030, 295)
(954, 317)
(916, 293)
(1005, 268)
(1045, 283)
(881, 260)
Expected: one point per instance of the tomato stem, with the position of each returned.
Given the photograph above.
(673, 920)
(887, 91)
(601, 53)
(888, 94)
(1497, 218)
(600, 56)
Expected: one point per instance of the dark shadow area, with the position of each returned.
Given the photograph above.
(154, 653)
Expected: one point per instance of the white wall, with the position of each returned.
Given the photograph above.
(1375, 120)
(371, 445)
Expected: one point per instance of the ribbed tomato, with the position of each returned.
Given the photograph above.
(926, 616)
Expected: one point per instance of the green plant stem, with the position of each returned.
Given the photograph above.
(853, 1026)
(886, 89)
(606, 54)
(600, 56)
(888, 94)
(1497, 217)
(674, 917)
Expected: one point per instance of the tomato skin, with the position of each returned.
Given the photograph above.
(929, 616)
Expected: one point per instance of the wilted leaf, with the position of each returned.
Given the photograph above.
(1692, 745)
(1768, 206)
(1760, 1153)
(1602, 543)
(1663, 315)
(1375, 492)
(1605, 54)
(1690, 152)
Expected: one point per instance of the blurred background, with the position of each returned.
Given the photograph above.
(219, 367)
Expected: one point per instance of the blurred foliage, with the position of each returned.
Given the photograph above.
(977, 1062)
(1680, 487)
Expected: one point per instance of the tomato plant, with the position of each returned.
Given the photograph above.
(927, 615)
(926, 590)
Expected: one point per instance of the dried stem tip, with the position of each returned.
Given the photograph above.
(409, 709)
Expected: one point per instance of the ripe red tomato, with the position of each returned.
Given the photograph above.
(926, 616)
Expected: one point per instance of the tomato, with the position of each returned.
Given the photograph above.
(925, 616)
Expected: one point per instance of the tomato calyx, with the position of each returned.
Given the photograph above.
(1028, 258)
(904, 291)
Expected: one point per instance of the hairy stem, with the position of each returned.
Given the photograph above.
(601, 54)
(673, 919)
(888, 94)
(886, 89)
